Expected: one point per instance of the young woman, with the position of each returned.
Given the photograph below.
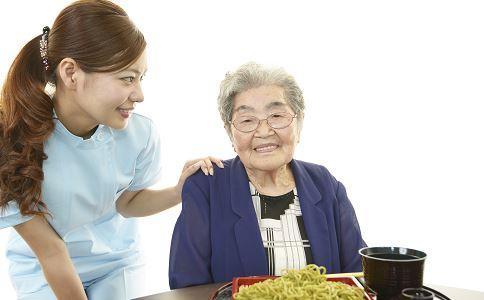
(76, 164)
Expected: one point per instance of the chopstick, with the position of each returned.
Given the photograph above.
(355, 274)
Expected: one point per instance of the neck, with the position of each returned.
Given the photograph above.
(72, 116)
(274, 182)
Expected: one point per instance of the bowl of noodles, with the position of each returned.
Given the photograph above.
(308, 283)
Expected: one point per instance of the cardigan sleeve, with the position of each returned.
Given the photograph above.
(350, 240)
(190, 253)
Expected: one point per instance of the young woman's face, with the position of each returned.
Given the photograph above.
(265, 148)
(110, 98)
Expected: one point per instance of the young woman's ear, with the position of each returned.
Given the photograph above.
(69, 73)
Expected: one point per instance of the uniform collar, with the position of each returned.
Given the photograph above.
(102, 135)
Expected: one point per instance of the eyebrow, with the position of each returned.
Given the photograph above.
(244, 107)
(133, 70)
(274, 104)
(269, 106)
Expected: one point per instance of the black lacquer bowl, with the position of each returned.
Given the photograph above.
(389, 270)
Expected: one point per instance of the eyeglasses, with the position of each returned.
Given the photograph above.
(251, 123)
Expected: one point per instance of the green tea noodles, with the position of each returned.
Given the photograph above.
(308, 283)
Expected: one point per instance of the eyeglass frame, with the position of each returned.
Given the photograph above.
(267, 121)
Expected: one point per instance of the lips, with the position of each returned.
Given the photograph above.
(264, 148)
(125, 112)
(126, 109)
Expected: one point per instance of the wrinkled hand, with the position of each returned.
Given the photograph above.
(191, 166)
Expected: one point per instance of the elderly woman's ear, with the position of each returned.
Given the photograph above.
(227, 129)
(299, 127)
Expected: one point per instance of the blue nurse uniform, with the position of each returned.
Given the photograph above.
(83, 179)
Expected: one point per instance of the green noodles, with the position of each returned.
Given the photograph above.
(308, 283)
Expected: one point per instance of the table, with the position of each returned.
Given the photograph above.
(203, 292)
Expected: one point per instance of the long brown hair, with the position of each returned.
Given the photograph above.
(100, 37)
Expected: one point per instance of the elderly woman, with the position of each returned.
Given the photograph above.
(264, 211)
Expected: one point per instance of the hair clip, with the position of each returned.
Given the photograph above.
(43, 47)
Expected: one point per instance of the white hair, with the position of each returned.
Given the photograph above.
(253, 75)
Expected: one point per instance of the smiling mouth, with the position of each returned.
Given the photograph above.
(125, 113)
(266, 148)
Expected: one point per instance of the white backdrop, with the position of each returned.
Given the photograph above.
(393, 93)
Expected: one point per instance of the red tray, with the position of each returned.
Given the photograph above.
(240, 281)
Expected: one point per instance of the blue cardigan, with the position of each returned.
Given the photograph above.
(217, 236)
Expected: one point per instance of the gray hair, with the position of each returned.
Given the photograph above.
(253, 75)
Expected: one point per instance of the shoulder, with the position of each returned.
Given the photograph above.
(203, 183)
(139, 124)
(139, 131)
(319, 175)
(313, 170)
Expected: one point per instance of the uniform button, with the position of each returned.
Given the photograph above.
(100, 136)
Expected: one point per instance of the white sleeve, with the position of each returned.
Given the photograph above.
(10, 216)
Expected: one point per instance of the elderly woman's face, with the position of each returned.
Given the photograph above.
(265, 148)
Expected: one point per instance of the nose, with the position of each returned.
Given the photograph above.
(264, 129)
(137, 94)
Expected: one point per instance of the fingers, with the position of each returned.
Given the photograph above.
(205, 164)
(200, 164)
(194, 167)
(188, 170)
(217, 161)
(188, 164)
(209, 164)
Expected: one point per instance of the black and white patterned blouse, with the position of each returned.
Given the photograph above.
(282, 230)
